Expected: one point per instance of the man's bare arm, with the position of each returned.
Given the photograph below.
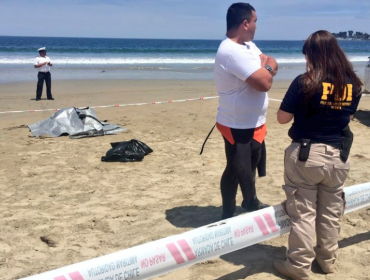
(261, 80)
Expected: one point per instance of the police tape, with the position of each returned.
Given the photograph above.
(123, 105)
(162, 256)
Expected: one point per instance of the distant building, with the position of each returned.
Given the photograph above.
(352, 35)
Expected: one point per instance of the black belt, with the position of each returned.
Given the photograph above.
(299, 141)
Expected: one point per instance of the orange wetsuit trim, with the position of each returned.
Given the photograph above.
(258, 135)
(226, 132)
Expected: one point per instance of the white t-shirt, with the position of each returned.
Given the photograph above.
(39, 60)
(240, 105)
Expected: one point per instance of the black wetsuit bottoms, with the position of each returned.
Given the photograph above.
(43, 76)
(242, 160)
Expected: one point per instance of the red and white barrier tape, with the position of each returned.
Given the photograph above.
(162, 256)
(124, 105)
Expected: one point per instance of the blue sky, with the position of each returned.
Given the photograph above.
(181, 19)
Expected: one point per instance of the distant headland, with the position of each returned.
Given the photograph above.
(350, 35)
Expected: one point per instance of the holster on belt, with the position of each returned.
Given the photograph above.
(304, 149)
(345, 143)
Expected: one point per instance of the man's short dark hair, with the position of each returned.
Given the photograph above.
(237, 13)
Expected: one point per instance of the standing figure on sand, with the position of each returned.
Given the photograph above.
(322, 102)
(43, 64)
(243, 75)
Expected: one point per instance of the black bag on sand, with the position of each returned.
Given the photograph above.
(127, 151)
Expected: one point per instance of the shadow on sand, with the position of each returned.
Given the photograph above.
(363, 116)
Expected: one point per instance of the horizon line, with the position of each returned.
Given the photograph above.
(72, 37)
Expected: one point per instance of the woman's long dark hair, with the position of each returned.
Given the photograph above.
(327, 61)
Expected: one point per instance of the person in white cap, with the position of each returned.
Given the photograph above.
(43, 64)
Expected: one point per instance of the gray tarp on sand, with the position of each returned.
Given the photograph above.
(72, 121)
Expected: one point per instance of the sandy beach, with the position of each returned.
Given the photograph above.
(60, 204)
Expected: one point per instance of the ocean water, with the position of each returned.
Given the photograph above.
(100, 58)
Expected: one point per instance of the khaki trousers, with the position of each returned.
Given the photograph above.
(315, 203)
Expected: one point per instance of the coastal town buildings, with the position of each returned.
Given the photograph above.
(351, 35)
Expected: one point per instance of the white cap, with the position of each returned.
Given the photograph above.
(41, 49)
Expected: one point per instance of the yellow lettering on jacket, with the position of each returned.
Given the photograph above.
(328, 88)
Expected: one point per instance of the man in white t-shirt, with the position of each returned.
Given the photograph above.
(43, 64)
(243, 75)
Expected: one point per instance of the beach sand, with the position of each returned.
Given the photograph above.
(59, 204)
